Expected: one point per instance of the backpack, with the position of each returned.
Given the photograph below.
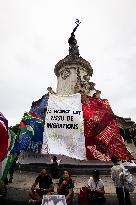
(127, 180)
(83, 196)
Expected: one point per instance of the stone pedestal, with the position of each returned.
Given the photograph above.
(73, 75)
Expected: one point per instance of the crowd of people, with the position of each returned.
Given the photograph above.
(91, 194)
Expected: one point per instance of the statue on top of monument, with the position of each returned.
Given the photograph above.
(73, 47)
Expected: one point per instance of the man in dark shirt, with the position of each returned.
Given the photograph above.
(45, 187)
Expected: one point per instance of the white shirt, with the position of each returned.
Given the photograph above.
(95, 185)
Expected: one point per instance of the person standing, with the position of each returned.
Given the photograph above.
(3, 189)
(54, 168)
(117, 177)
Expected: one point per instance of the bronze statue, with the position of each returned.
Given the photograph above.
(73, 47)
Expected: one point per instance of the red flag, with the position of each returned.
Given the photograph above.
(102, 137)
(3, 139)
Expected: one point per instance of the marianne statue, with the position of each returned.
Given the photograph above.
(73, 47)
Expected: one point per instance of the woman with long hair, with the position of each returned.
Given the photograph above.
(65, 187)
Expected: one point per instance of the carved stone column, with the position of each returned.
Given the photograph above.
(73, 75)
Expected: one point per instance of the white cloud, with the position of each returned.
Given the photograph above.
(33, 38)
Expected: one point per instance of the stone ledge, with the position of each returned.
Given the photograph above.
(77, 169)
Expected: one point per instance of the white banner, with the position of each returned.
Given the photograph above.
(64, 128)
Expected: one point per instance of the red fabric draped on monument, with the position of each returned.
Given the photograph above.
(102, 137)
(3, 140)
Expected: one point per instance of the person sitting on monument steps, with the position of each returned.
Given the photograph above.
(95, 189)
(55, 162)
(65, 187)
(117, 177)
(45, 187)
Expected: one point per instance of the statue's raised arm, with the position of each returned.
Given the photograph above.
(73, 47)
(77, 24)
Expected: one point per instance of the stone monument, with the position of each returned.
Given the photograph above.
(73, 72)
(73, 76)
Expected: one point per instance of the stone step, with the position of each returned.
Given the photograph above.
(74, 169)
